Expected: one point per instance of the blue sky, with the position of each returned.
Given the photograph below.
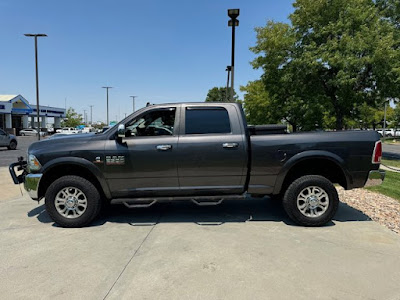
(161, 51)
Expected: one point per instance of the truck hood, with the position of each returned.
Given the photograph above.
(61, 142)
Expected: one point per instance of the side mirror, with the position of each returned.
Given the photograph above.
(121, 131)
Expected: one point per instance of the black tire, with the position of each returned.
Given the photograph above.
(289, 200)
(12, 145)
(93, 200)
(22, 134)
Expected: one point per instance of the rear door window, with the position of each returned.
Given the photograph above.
(207, 120)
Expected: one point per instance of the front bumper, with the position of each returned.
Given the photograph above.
(31, 185)
(375, 177)
(31, 181)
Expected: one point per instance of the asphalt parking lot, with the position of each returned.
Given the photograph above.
(391, 151)
(9, 156)
(238, 250)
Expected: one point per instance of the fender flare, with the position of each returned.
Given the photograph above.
(312, 154)
(78, 161)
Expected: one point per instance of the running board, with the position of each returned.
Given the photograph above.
(198, 200)
(139, 205)
(206, 203)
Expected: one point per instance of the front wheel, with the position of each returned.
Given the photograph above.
(311, 200)
(12, 145)
(72, 201)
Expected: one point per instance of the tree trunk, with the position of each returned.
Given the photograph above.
(339, 119)
(294, 126)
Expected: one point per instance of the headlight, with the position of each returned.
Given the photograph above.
(33, 163)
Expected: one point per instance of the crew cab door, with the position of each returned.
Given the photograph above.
(212, 150)
(144, 162)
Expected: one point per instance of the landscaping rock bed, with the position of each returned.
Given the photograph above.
(378, 207)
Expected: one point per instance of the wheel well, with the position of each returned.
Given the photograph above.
(316, 166)
(63, 170)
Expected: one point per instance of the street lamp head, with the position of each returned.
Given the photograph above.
(35, 34)
(230, 22)
(228, 68)
(233, 13)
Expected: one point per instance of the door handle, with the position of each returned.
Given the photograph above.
(230, 145)
(164, 147)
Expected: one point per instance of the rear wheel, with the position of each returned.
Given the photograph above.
(311, 200)
(72, 201)
(12, 145)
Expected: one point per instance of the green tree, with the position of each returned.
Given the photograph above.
(283, 78)
(369, 116)
(335, 56)
(257, 104)
(218, 94)
(390, 9)
(72, 118)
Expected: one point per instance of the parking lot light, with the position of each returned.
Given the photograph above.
(36, 35)
(233, 22)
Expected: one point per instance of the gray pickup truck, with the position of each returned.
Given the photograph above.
(8, 140)
(203, 152)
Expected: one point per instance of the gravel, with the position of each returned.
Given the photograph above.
(378, 207)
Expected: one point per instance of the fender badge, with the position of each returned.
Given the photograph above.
(115, 160)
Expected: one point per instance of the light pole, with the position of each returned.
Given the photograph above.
(36, 35)
(228, 69)
(133, 102)
(84, 117)
(107, 87)
(233, 22)
(91, 115)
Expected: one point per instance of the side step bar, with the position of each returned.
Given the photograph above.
(198, 200)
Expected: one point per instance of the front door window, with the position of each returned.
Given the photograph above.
(154, 123)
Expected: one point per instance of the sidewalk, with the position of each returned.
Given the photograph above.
(8, 189)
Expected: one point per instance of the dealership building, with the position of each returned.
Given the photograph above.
(17, 113)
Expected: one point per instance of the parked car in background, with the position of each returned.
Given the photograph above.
(31, 132)
(390, 132)
(8, 140)
(87, 129)
(69, 130)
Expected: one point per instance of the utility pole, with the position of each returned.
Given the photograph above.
(84, 117)
(133, 102)
(107, 87)
(233, 22)
(91, 115)
(36, 35)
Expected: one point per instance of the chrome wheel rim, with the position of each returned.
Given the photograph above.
(313, 201)
(71, 202)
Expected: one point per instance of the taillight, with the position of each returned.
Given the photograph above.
(377, 154)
